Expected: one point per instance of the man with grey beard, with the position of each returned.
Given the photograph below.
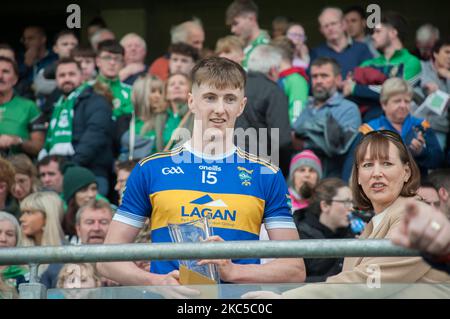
(329, 123)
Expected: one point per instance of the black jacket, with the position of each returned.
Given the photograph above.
(267, 107)
(92, 134)
(309, 227)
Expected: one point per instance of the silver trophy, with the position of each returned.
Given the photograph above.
(194, 232)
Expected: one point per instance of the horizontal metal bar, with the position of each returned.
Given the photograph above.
(205, 250)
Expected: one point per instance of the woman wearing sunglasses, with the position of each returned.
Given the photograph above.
(396, 98)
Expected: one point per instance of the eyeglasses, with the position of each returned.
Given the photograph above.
(108, 58)
(346, 202)
(297, 36)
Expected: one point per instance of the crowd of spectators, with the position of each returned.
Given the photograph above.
(75, 120)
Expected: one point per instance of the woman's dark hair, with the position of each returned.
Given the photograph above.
(324, 191)
(68, 223)
(379, 149)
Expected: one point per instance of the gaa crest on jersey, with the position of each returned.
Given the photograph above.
(245, 176)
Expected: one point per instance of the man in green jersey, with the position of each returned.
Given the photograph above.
(395, 61)
(20, 127)
(110, 60)
(242, 16)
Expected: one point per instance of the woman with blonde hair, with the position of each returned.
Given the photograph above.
(42, 213)
(78, 276)
(26, 179)
(144, 136)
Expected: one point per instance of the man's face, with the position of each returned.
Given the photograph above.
(216, 109)
(179, 63)
(442, 58)
(242, 27)
(397, 108)
(109, 64)
(68, 77)
(51, 177)
(324, 81)
(196, 38)
(87, 67)
(134, 50)
(332, 26)
(380, 36)
(7, 77)
(94, 224)
(355, 24)
(32, 38)
(64, 45)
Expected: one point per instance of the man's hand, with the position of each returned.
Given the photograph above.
(427, 230)
(131, 69)
(431, 88)
(225, 267)
(6, 141)
(347, 87)
(417, 144)
(31, 56)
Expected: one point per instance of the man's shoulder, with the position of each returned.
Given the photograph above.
(340, 101)
(161, 158)
(257, 162)
(23, 102)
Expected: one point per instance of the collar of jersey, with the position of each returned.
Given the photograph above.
(187, 146)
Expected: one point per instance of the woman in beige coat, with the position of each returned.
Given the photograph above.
(384, 178)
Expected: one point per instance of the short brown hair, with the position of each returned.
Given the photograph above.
(185, 49)
(219, 72)
(68, 61)
(239, 7)
(127, 165)
(82, 52)
(379, 148)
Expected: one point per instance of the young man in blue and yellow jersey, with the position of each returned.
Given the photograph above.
(207, 175)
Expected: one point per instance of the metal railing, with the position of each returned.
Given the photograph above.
(207, 250)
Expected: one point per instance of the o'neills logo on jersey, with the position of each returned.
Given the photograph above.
(207, 206)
